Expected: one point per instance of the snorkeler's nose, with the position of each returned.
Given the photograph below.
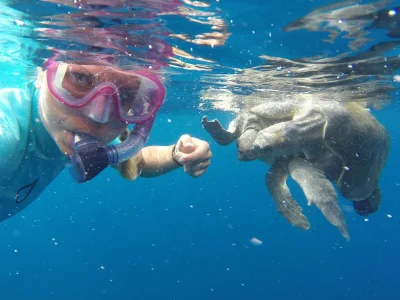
(100, 109)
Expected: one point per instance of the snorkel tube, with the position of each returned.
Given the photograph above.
(89, 158)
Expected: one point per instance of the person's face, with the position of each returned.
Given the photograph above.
(62, 121)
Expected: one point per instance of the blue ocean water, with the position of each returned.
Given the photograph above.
(175, 237)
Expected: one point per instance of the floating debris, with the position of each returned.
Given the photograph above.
(255, 241)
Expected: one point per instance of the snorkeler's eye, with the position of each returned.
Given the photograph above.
(82, 80)
(127, 98)
(126, 95)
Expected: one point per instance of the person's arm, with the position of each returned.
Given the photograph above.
(9, 135)
(191, 153)
(156, 160)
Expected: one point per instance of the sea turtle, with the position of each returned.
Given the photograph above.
(316, 142)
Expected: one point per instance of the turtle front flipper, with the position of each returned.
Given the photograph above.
(291, 137)
(319, 190)
(287, 206)
(218, 133)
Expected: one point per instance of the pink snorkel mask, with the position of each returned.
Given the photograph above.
(100, 91)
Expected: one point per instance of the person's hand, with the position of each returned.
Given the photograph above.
(193, 154)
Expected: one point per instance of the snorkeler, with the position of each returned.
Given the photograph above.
(73, 116)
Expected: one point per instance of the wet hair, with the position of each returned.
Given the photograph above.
(128, 169)
(86, 59)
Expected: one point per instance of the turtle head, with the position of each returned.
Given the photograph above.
(245, 145)
(246, 156)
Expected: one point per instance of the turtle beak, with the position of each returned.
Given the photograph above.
(246, 155)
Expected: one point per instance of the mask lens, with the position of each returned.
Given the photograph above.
(138, 102)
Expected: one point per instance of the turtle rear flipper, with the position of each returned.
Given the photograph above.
(320, 191)
(218, 133)
(287, 206)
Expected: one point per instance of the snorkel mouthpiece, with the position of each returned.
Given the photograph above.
(89, 159)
